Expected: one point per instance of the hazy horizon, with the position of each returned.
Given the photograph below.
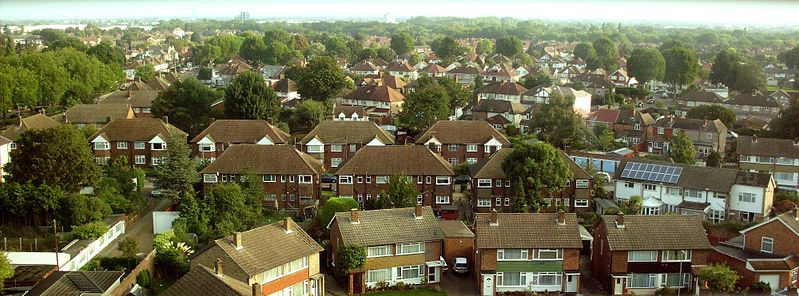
(724, 12)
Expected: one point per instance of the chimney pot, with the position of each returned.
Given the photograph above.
(561, 217)
(165, 119)
(219, 265)
(493, 218)
(754, 139)
(256, 290)
(620, 220)
(238, 242)
(287, 225)
(418, 212)
(354, 216)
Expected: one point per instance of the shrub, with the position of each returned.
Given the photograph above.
(91, 230)
(143, 278)
(401, 286)
(350, 257)
(129, 247)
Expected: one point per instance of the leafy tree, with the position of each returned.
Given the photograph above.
(57, 157)
(424, 107)
(720, 278)
(310, 113)
(681, 64)
(177, 172)
(606, 54)
(791, 57)
(107, 53)
(682, 149)
(88, 77)
(228, 210)
(145, 72)
(91, 230)
(78, 209)
(786, 126)
(205, 73)
(585, 51)
(229, 45)
(207, 54)
(713, 159)
(459, 96)
(509, 46)
(401, 193)
(748, 77)
(711, 112)
(534, 81)
(322, 79)
(535, 171)
(603, 138)
(187, 104)
(349, 258)
(18, 87)
(447, 49)
(724, 65)
(401, 43)
(632, 206)
(334, 205)
(254, 194)
(248, 97)
(6, 270)
(485, 46)
(558, 124)
(253, 48)
(646, 64)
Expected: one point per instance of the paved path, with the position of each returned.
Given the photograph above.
(141, 230)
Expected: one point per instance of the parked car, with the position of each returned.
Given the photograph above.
(461, 265)
(463, 179)
(328, 178)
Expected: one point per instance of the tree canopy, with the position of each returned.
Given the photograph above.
(321, 80)
(646, 64)
(720, 278)
(558, 124)
(712, 112)
(334, 205)
(447, 49)
(535, 171)
(248, 97)
(786, 126)
(177, 172)
(401, 193)
(145, 72)
(187, 104)
(681, 63)
(682, 149)
(509, 46)
(402, 43)
(606, 54)
(423, 107)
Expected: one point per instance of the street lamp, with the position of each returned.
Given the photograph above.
(685, 255)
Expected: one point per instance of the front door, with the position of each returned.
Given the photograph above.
(618, 286)
(432, 275)
(571, 283)
(488, 285)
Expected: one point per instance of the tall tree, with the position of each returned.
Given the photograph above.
(177, 172)
(724, 66)
(585, 51)
(682, 149)
(791, 57)
(228, 210)
(681, 64)
(606, 53)
(401, 193)
(484, 46)
(187, 104)
(459, 96)
(401, 43)
(447, 49)
(558, 124)
(253, 48)
(712, 113)
(248, 97)
(534, 81)
(423, 107)
(56, 156)
(145, 72)
(107, 53)
(509, 46)
(646, 64)
(786, 126)
(321, 80)
(748, 78)
(310, 113)
(535, 171)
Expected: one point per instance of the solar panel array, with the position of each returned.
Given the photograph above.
(651, 172)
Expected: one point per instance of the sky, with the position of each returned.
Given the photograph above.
(732, 12)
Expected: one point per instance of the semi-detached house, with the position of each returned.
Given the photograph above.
(141, 140)
(335, 142)
(462, 141)
(778, 156)
(221, 134)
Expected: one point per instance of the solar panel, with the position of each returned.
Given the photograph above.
(651, 172)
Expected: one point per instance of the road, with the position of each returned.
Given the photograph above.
(141, 230)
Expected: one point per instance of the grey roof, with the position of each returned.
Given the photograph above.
(455, 229)
(767, 147)
(527, 230)
(702, 96)
(389, 226)
(753, 100)
(66, 283)
(658, 232)
(202, 281)
(695, 177)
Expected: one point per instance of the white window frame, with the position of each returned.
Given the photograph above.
(305, 179)
(269, 178)
(443, 180)
(382, 251)
(580, 203)
(102, 146)
(653, 256)
(401, 248)
(139, 145)
(442, 199)
(209, 178)
(336, 147)
(483, 203)
(315, 148)
(381, 179)
(122, 145)
(140, 159)
(483, 183)
(157, 160)
(523, 253)
(161, 145)
(581, 183)
(471, 147)
(677, 255)
(206, 147)
(345, 179)
(452, 147)
(747, 197)
(767, 241)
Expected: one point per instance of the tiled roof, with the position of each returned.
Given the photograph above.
(462, 132)
(137, 99)
(62, 283)
(242, 131)
(389, 226)
(343, 132)
(695, 177)
(233, 67)
(349, 110)
(659, 232)
(31, 123)
(702, 96)
(786, 264)
(527, 230)
(503, 87)
(753, 100)
(412, 160)
(499, 106)
(400, 67)
(263, 160)
(465, 70)
(789, 219)
(96, 113)
(434, 69)
(364, 66)
(605, 115)
(202, 281)
(285, 85)
(628, 116)
(137, 129)
(455, 229)
(692, 124)
(158, 83)
(767, 147)
(491, 167)
(381, 93)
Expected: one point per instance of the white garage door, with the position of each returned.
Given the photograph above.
(772, 279)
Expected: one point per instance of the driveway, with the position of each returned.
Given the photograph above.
(141, 229)
(459, 284)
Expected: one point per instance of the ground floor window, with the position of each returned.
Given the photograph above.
(715, 216)
(409, 272)
(547, 279)
(672, 280)
(511, 279)
(482, 203)
(638, 281)
(378, 275)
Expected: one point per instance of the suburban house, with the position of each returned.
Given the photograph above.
(141, 100)
(717, 194)
(464, 74)
(700, 98)
(501, 90)
(606, 117)
(275, 259)
(335, 142)
(760, 105)
(523, 252)
(141, 141)
(349, 113)
(383, 99)
(286, 90)
(221, 134)
(620, 78)
(97, 115)
(633, 126)
(500, 73)
(434, 70)
(540, 95)
(706, 135)
(291, 184)
(61, 283)
(5, 154)
(31, 123)
(404, 245)
(402, 69)
(463, 141)
(225, 73)
(777, 156)
(365, 68)
(500, 113)
(642, 254)
(491, 190)
(595, 84)
(766, 252)
(782, 97)
(366, 175)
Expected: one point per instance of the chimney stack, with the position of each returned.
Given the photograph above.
(287, 225)
(219, 270)
(418, 212)
(108, 119)
(620, 220)
(561, 217)
(754, 139)
(238, 243)
(130, 93)
(493, 221)
(256, 290)
(354, 219)
(165, 119)
(796, 213)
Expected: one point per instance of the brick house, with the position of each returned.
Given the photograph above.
(291, 184)
(382, 98)
(706, 135)
(458, 240)
(777, 156)
(274, 258)
(490, 189)
(403, 245)
(34, 122)
(141, 140)
(633, 127)
(519, 252)
(221, 134)
(335, 142)
(365, 176)
(462, 141)
(766, 252)
(642, 254)
(140, 99)
(97, 115)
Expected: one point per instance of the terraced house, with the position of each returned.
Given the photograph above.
(221, 134)
(335, 142)
(290, 177)
(141, 140)
(366, 175)
(519, 252)
(641, 254)
(777, 156)
(404, 245)
(463, 141)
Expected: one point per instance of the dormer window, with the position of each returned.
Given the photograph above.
(157, 146)
(637, 126)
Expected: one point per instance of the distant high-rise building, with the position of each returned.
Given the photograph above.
(390, 18)
(244, 16)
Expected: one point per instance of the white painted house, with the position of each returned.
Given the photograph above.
(540, 95)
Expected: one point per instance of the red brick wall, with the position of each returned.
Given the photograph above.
(429, 190)
(284, 282)
(785, 241)
(279, 188)
(128, 282)
(602, 258)
(503, 192)
(458, 247)
(131, 153)
(461, 154)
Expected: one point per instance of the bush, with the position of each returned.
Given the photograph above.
(334, 205)
(129, 247)
(350, 257)
(759, 288)
(90, 230)
(143, 278)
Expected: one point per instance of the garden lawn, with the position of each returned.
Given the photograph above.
(416, 292)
